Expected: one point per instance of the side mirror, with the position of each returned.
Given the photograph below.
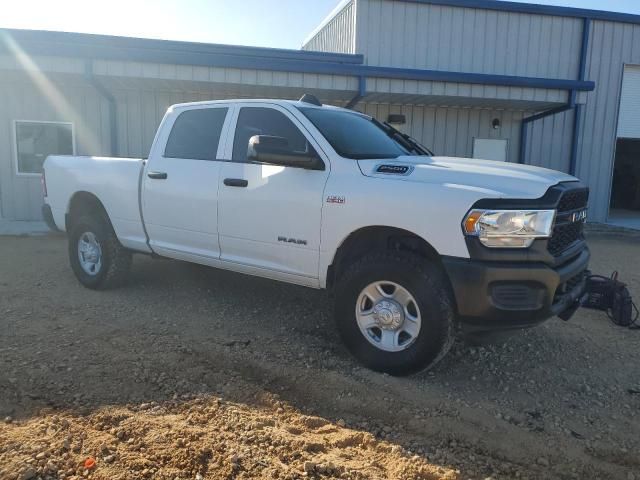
(276, 151)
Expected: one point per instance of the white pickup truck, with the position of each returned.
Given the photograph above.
(415, 247)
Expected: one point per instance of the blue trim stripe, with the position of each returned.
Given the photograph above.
(142, 50)
(476, 78)
(516, 7)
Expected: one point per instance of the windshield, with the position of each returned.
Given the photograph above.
(355, 136)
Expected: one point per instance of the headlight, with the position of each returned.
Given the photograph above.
(509, 228)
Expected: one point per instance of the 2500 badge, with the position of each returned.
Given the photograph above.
(295, 241)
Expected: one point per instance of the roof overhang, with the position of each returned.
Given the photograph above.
(197, 54)
(249, 72)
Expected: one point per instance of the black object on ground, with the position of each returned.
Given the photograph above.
(610, 295)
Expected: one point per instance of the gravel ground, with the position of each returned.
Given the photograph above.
(193, 373)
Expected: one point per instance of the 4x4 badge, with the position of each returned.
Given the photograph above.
(336, 199)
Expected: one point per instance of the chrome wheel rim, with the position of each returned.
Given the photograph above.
(89, 253)
(388, 316)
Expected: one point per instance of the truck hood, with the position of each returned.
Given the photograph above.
(491, 178)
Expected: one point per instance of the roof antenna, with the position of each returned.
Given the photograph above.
(311, 99)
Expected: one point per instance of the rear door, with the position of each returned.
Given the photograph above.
(181, 181)
(270, 215)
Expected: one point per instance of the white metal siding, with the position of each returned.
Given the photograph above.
(629, 119)
(549, 142)
(22, 100)
(338, 35)
(450, 131)
(218, 75)
(414, 35)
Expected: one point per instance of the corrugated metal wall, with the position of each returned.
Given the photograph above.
(450, 131)
(611, 46)
(414, 35)
(210, 76)
(549, 142)
(338, 35)
(22, 195)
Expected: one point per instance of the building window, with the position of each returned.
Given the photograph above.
(36, 140)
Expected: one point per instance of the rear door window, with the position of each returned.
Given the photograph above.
(196, 134)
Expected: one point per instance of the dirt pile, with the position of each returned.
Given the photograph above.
(201, 438)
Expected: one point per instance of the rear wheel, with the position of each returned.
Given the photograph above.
(395, 312)
(97, 258)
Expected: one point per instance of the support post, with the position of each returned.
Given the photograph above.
(577, 117)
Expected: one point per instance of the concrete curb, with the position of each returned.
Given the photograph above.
(23, 229)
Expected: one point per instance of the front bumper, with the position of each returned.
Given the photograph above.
(495, 295)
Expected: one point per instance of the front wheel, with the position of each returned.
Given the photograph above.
(97, 258)
(395, 312)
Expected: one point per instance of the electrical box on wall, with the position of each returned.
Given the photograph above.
(490, 149)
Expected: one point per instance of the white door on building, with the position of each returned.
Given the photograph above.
(629, 119)
(625, 183)
(490, 149)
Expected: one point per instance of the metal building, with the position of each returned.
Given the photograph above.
(550, 86)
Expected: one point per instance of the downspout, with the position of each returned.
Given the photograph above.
(571, 105)
(577, 118)
(362, 92)
(111, 102)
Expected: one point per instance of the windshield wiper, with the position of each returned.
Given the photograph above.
(403, 139)
(416, 145)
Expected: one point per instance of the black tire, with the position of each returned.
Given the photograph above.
(426, 283)
(116, 260)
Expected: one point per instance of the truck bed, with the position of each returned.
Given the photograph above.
(115, 181)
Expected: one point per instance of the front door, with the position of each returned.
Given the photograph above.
(270, 215)
(180, 194)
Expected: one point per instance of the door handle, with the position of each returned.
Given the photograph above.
(157, 175)
(236, 182)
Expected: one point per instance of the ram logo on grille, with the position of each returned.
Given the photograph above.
(580, 216)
